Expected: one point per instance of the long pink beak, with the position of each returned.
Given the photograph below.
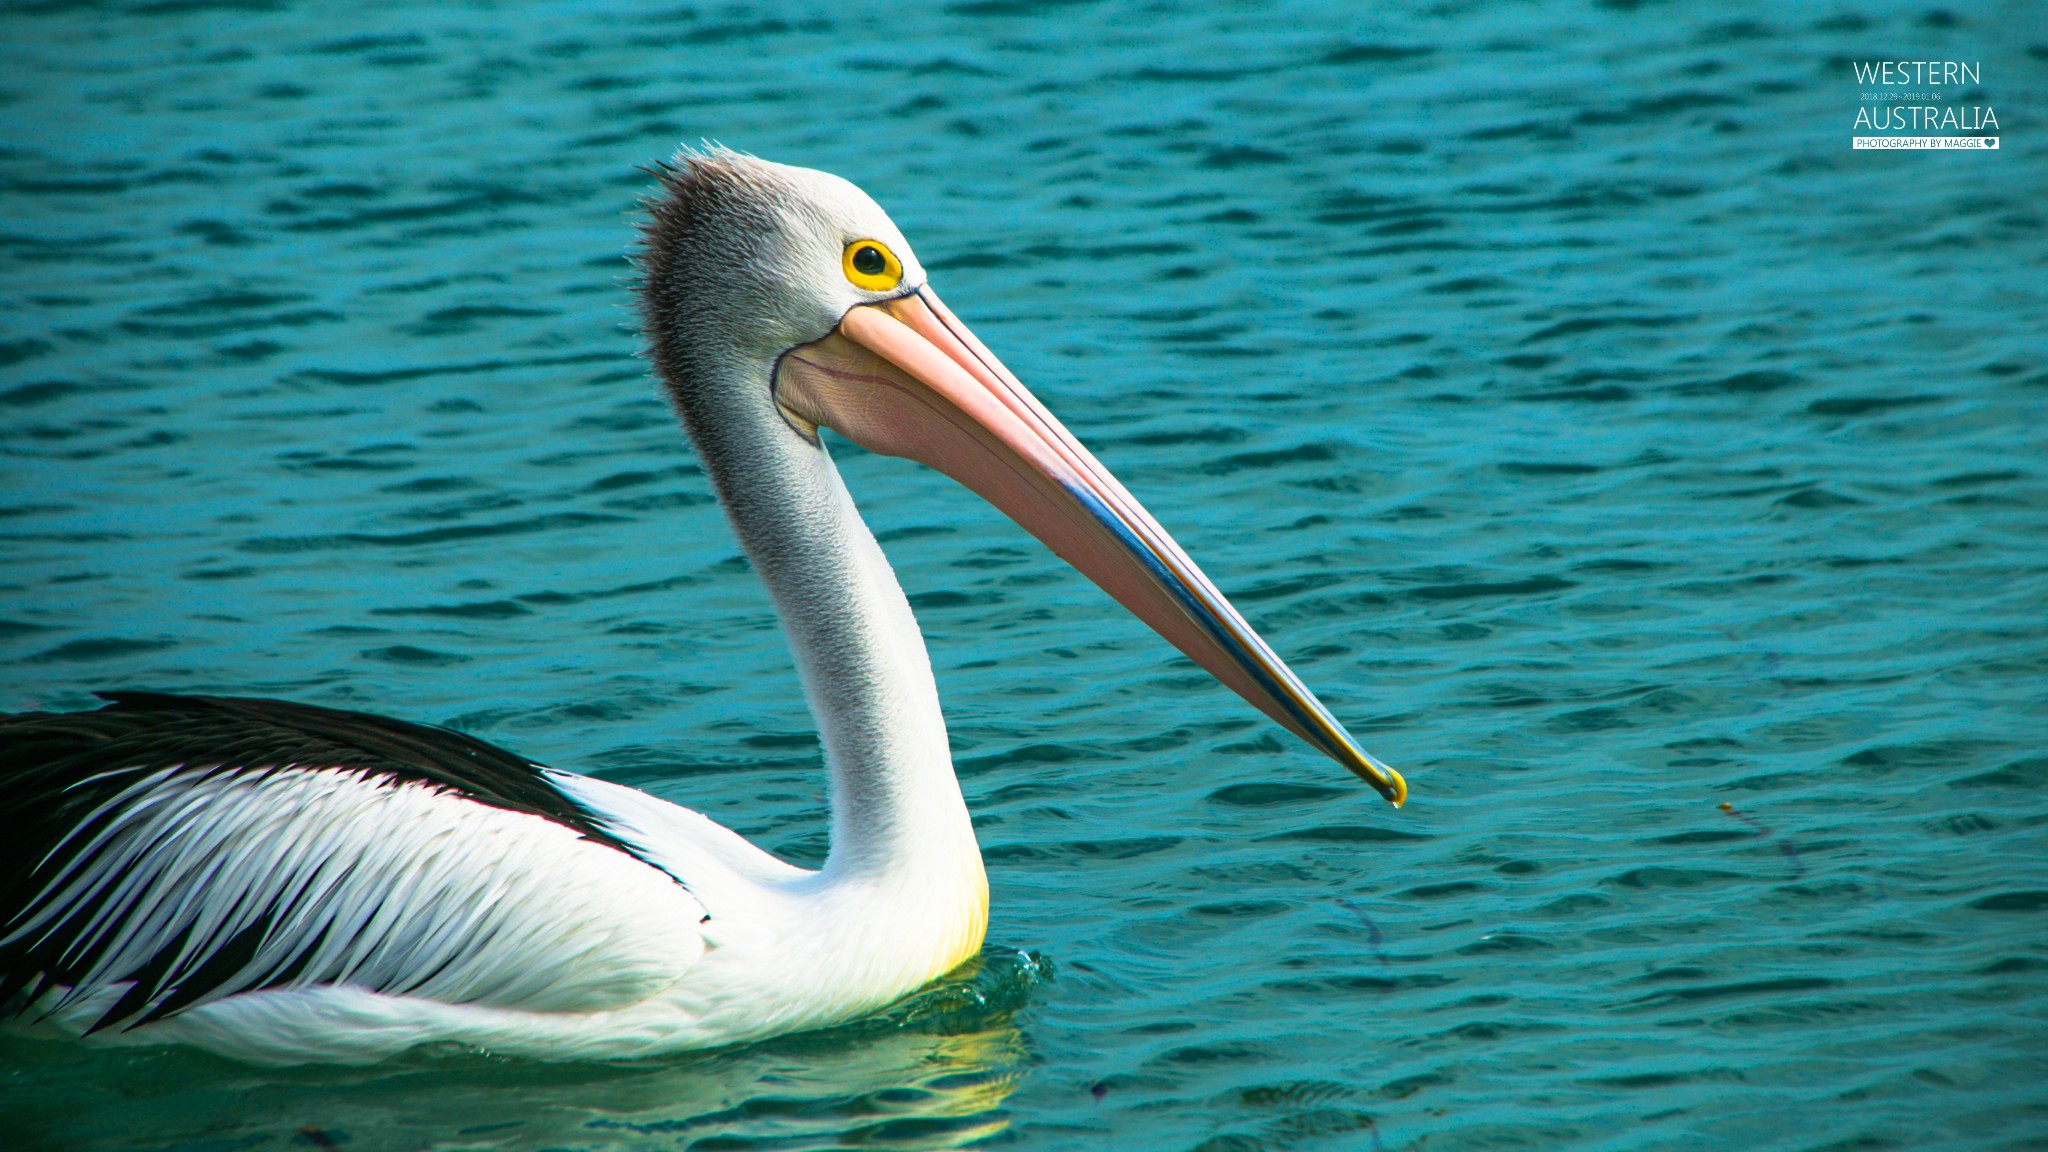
(906, 378)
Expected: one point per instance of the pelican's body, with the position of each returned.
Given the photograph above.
(280, 882)
(409, 885)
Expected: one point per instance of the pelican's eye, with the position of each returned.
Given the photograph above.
(869, 264)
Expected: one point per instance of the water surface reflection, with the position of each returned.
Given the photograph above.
(931, 1073)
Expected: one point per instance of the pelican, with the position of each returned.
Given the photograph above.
(279, 882)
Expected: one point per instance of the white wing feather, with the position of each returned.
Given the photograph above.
(230, 881)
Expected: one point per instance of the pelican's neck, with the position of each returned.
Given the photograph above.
(896, 804)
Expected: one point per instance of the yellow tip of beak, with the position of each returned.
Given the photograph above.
(1384, 780)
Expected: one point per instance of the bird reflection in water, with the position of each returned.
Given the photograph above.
(931, 1072)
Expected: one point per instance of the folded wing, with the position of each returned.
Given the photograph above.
(221, 847)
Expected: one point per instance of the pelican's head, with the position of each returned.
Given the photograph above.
(746, 259)
(781, 294)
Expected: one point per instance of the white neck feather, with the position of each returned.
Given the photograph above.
(896, 804)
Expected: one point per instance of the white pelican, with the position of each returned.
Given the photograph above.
(281, 882)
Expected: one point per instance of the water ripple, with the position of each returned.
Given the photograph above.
(1602, 440)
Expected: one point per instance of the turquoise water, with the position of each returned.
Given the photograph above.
(1598, 434)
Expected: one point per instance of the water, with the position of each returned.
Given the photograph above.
(1600, 436)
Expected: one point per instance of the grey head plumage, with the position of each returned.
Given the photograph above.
(740, 261)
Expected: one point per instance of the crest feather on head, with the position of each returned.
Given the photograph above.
(719, 214)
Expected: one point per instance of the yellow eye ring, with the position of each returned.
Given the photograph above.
(870, 265)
